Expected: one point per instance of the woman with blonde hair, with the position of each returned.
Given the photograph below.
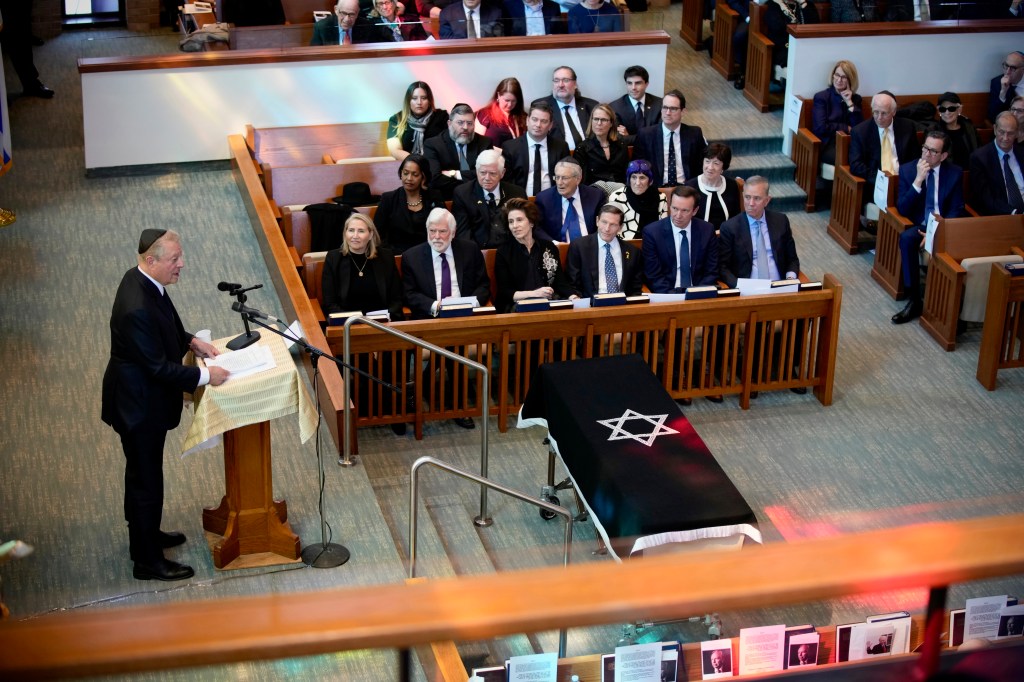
(837, 108)
(603, 155)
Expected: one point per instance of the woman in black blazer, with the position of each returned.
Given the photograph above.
(402, 213)
(419, 120)
(603, 155)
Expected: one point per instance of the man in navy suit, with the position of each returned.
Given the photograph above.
(439, 268)
(531, 158)
(663, 241)
(470, 19)
(866, 144)
(637, 109)
(533, 18)
(142, 389)
(347, 26)
(569, 208)
(674, 149)
(928, 186)
(996, 168)
(1006, 86)
(601, 263)
(572, 110)
(452, 154)
(477, 205)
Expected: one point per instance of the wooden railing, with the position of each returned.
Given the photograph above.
(213, 632)
(691, 28)
(1002, 342)
(687, 345)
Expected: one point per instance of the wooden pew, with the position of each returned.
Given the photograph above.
(307, 145)
(887, 269)
(1002, 341)
(723, 57)
(303, 185)
(847, 198)
(759, 60)
(270, 37)
(956, 239)
(301, 11)
(691, 30)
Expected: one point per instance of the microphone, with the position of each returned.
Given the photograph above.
(228, 286)
(238, 307)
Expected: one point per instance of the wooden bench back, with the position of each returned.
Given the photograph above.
(270, 37)
(302, 185)
(985, 236)
(306, 145)
(301, 11)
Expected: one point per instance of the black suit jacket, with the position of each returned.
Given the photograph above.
(550, 204)
(661, 258)
(584, 107)
(145, 378)
(650, 145)
(443, 155)
(420, 289)
(737, 251)
(452, 21)
(517, 153)
(866, 149)
(582, 266)
(995, 105)
(911, 203)
(325, 32)
(474, 221)
(988, 186)
(625, 114)
(337, 277)
(515, 18)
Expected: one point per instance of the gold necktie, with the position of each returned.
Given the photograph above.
(888, 158)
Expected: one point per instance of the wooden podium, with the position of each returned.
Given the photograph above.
(248, 518)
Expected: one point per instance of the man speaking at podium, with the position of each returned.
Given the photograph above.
(142, 389)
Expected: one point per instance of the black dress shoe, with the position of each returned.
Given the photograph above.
(911, 311)
(684, 402)
(740, 83)
(714, 398)
(799, 390)
(753, 395)
(398, 429)
(38, 90)
(168, 540)
(464, 422)
(162, 569)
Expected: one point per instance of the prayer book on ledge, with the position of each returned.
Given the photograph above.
(602, 300)
(338, 319)
(810, 286)
(697, 293)
(485, 310)
(529, 305)
(561, 305)
(642, 298)
(728, 293)
(455, 310)
(1015, 269)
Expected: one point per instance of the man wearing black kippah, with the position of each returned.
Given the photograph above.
(142, 389)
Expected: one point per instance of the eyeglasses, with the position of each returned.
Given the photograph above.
(946, 110)
(600, 120)
(1011, 67)
(563, 80)
(841, 75)
(1016, 110)
(564, 178)
(931, 151)
(348, 15)
(671, 109)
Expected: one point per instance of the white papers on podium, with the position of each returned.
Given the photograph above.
(666, 298)
(638, 663)
(245, 362)
(533, 668)
(762, 287)
(460, 300)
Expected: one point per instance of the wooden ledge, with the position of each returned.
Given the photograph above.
(902, 28)
(369, 51)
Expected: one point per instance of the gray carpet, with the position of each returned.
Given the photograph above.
(911, 437)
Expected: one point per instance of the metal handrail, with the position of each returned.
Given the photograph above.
(484, 483)
(483, 519)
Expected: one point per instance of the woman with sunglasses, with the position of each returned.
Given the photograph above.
(963, 138)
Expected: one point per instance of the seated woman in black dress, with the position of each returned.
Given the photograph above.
(720, 198)
(963, 138)
(837, 108)
(504, 117)
(402, 213)
(418, 120)
(527, 267)
(362, 276)
(603, 155)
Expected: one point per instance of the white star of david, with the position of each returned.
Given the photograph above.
(620, 433)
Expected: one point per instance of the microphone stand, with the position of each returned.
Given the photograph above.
(249, 337)
(324, 554)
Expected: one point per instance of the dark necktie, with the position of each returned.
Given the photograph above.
(639, 116)
(1012, 190)
(166, 305)
(470, 26)
(684, 261)
(446, 278)
(492, 207)
(611, 277)
(671, 170)
(463, 163)
(536, 170)
(571, 224)
(577, 139)
(929, 200)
